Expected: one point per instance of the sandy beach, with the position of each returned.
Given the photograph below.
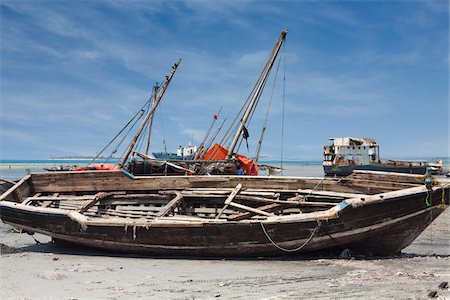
(31, 270)
(44, 271)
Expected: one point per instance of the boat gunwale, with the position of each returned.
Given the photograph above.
(331, 213)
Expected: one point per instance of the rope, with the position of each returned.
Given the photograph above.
(428, 204)
(321, 181)
(263, 130)
(117, 135)
(443, 199)
(319, 224)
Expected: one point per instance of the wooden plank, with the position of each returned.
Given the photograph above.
(388, 176)
(89, 203)
(248, 214)
(229, 199)
(12, 193)
(96, 181)
(171, 205)
(330, 193)
(251, 209)
(49, 202)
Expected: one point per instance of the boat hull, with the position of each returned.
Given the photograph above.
(382, 228)
(347, 170)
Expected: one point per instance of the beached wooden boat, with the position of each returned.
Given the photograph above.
(368, 212)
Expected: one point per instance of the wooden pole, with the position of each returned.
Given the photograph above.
(259, 87)
(149, 114)
(150, 122)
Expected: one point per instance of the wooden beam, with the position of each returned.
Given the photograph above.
(15, 191)
(330, 193)
(49, 202)
(230, 198)
(247, 214)
(89, 203)
(248, 208)
(170, 206)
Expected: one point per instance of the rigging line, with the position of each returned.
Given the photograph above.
(229, 132)
(250, 118)
(161, 118)
(139, 144)
(239, 100)
(141, 110)
(121, 141)
(263, 130)
(236, 125)
(232, 126)
(117, 135)
(283, 106)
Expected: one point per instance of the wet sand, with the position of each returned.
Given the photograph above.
(44, 271)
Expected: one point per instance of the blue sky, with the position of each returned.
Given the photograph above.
(74, 72)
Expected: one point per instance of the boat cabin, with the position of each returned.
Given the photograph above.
(351, 151)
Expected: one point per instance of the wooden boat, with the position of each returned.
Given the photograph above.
(368, 212)
(211, 157)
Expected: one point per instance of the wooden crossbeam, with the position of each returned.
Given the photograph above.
(247, 214)
(230, 198)
(171, 205)
(251, 209)
(89, 203)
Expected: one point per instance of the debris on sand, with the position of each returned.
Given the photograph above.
(51, 276)
(4, 249)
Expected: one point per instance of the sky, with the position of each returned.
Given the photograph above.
(73, 73)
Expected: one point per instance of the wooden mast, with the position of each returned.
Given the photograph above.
(202, 145)
(149, 114)
(150, 121)
(259, 87)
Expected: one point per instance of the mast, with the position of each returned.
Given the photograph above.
(259, 87)
(200, 148)
(150, 122)
(150, 113)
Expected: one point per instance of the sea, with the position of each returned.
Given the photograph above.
(15, 169)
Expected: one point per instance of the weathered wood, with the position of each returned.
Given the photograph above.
(245, 215)
(329, 193)
(116, 181)
(387, 176)
(251, 209)
(89, 203)
(14, 194)
(229, 199)
(171, 205)
(49, 202)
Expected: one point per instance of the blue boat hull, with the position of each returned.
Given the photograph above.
(165, 155)
(347, 170)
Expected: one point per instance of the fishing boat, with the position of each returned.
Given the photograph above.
(182, 153)
(211, 157)
(376, 213)
(346, 154)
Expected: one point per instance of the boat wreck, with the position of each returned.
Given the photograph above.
(375, 213)
(348, 153)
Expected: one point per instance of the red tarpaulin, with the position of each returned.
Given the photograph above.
(218, 152)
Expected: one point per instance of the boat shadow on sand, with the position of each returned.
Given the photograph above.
(66, 248)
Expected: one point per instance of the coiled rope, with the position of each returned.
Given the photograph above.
(319, 224)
